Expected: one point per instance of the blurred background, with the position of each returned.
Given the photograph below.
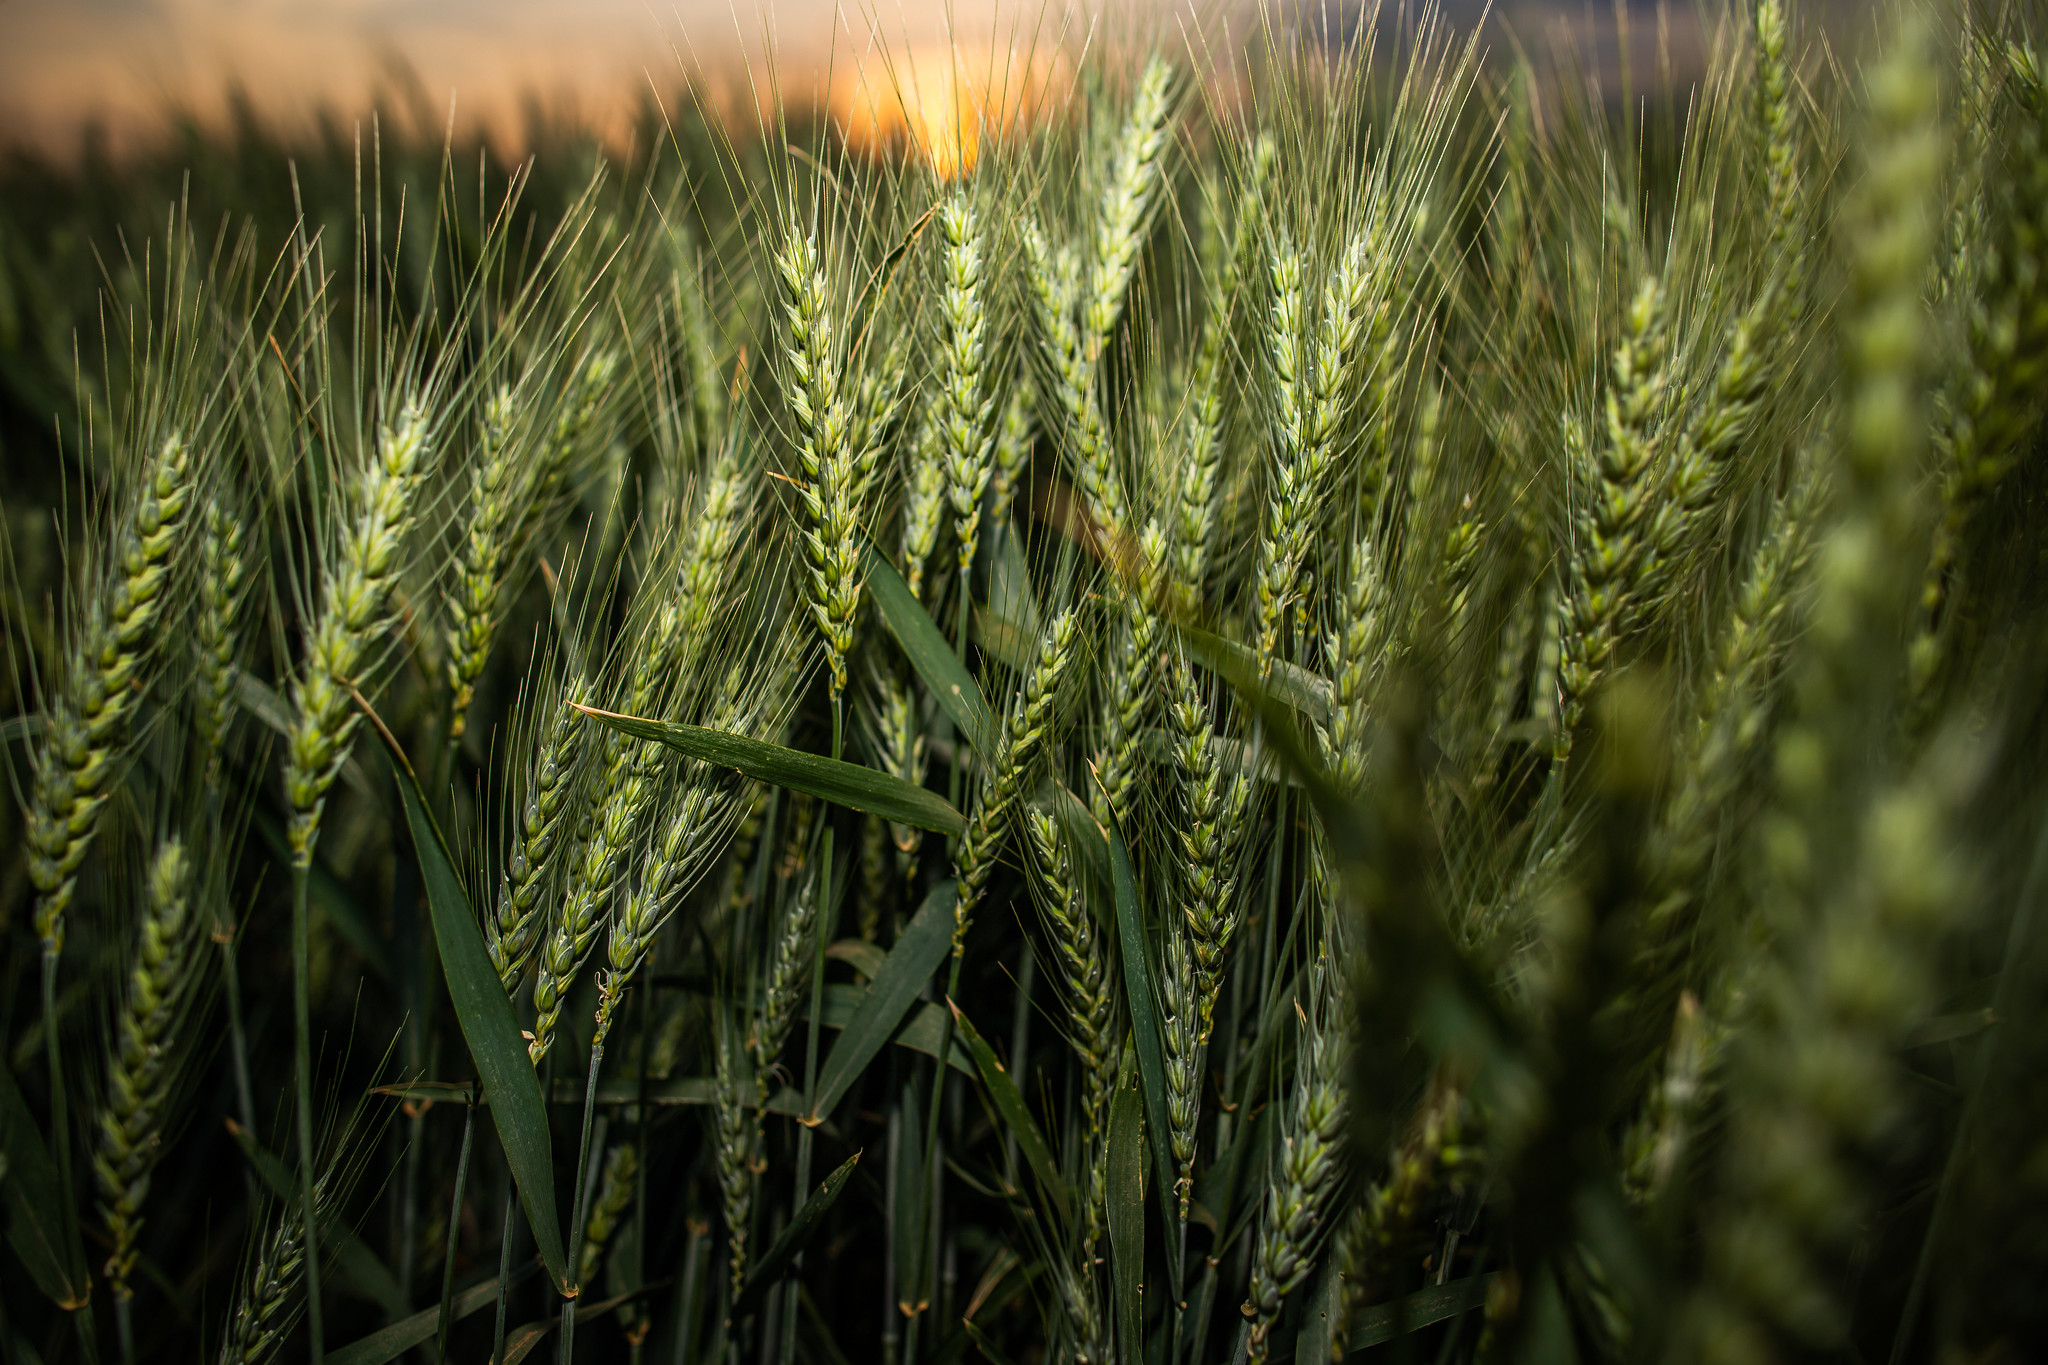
(123, 77)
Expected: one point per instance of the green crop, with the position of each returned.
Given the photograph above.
(1350, 700)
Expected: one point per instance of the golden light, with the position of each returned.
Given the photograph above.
(939, 103)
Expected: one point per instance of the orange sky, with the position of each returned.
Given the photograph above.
(122, 63)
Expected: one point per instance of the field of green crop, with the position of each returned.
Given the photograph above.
(1389, 707)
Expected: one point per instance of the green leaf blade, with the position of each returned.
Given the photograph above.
(1126, 1215)
(491, 1030)
(389, 1343)
(1009, 1103)
(1142, 999)
(38, 1229)
(931, 654)
(783, 1250)
(920, 949)
(842, 784)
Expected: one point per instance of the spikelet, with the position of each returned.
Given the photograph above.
(614, 1197)
(924, 505)
(1616, 499)
(495, 512)
(1313, 377)
(1131, 693)
(676, 640)
(513, 930)
(689, 835)
(1992, 408)
(1007, 776)
(88, 717)
(965, 407)
(354, 617)
(835, 472)
(266, 1307)
(1052, 279)
(144, 1058)
(1012, 452)
(223, 573)
(1084, 965)
(736, 1138)
(1298, 1197)
(1130, 190)
(1180, 1022)
(1217, 815)
(1748, 368)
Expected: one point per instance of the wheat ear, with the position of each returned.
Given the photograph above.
(1313, 375)
(689, 835)
(614, 1196)
(223, 574)
(1006, 777)
(966, 408)
(1711, 439)
(88, 719)
(2007, 358)
(924, 505)
(1217, 812)
(1012, 452)
(676, 639)
(1084, 966)
(736, 1139)
(1131, 693)
(513, 930)
(1052, 279)
(495, 512)
(1132, 188)
(264, 1312)
(1612, 521)
(582, 405)
(144, 1057)
(834, 469)
(1865, 889)
(1306, 1178)
(354, 618)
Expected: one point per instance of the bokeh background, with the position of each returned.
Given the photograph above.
(119, 77)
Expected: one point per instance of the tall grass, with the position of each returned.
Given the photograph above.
(1351, 700)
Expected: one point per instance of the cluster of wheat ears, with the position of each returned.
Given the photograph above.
(1378, 705)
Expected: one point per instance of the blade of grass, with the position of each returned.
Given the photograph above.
(1289, 684)
(489, 1027)
(521, 1341)
(932, 655)
(38, 1229)
(1424, 1308)
(389, 1343)
(844, 784)
(1015, 1113)
(1126, 1157)
(783, 1250)
(891, 992)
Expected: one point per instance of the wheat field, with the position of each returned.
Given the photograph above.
(1370, 700)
